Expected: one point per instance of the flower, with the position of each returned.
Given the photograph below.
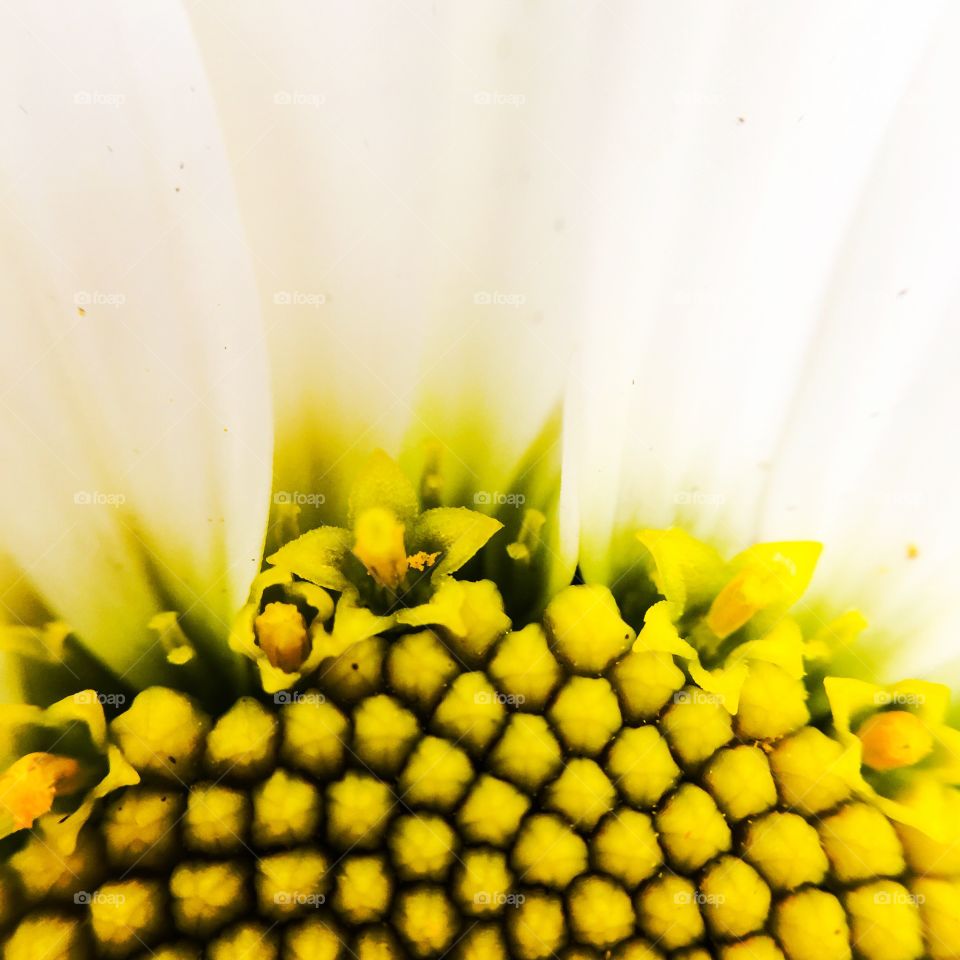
(386, 410)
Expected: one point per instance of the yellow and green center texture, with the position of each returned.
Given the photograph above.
(417, 776)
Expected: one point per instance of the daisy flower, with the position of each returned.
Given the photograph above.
(479, 482)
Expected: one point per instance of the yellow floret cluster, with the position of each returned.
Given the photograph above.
(555, 791)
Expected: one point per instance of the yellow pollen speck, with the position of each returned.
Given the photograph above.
(894, 739)
(29, 786)
(282, 634)
(913, 551)
(421, 560)
(379, 546)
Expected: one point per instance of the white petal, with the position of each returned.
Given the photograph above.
(738, 140)
(413, 176)
(136, 422)
(429, 165)
(870, 456)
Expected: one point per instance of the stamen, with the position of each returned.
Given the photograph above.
(282, 634)
(894, 739)
(29, 786)
(379, 546)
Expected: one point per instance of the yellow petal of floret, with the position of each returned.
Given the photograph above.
(426, 919)
(483, 882)
(586, 628)
(646, 682)
(384, 732)
(753, 948)
(313, 939)
(419, 667)
(436, 775)
(735, 900)
(691, 828)
(363, 889)
(786, 850)
(358, 809)
(669, 912)
(527, 753)
(601, 913)
(885, 921)
(808, 767)
(548, 852)
(492, 811)
(861, 843)
(538, 926)
(524, 668)
(291, 882)
(243, 741)
(939, 902)
(314, 733)
(483, 942)
(740, 781)
(423, 846)
(586, 714)
(772, 703)
(139, 828)
(696, 725)
(162, 733)
(216, 819)
(46, 935)
(582, 793)
(812, 925)
(207, 895)
(286, 810)
(642, 766)
(626, 847)
(471, 712)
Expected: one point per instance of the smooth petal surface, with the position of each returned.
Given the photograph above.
(135, 413)
(869, 456)
(412, 180)
(751, 136)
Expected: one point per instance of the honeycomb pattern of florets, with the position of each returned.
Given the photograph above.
(527, 802)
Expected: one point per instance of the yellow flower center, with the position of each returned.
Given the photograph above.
(282, 634)
(379, 546)
(894, 739)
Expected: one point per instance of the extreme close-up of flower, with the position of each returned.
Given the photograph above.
(480, 480)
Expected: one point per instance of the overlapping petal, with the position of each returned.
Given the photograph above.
(136, 428)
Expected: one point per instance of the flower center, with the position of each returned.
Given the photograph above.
(542, 792)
